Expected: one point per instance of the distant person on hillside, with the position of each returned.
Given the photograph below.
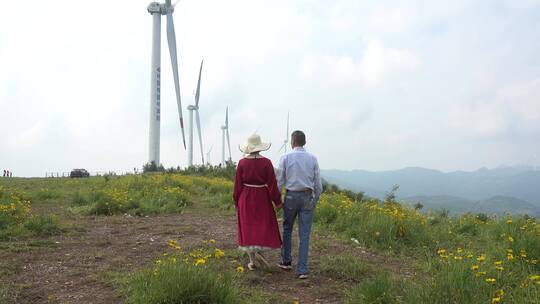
(4, 174)
(255, 188)
(299, 173)
(10, 174)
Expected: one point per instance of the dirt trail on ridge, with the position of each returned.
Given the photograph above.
(74, 268)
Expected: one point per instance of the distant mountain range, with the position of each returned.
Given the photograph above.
(510, 189)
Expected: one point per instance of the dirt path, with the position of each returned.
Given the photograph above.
(73, 268)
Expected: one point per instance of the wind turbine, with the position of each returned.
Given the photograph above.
(286, 141)
(225, 131)
(156, 10)
(195, 108)
(208, 155)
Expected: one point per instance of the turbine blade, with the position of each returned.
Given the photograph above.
(287, 136)
(197, 94)
(198, 120)
(171, 39)
(229, 143)
(227, 117)
(282, 146)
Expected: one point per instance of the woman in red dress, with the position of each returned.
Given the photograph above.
(255, 188)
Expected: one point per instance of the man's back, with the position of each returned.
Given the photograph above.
(299, 170)
(299, 173)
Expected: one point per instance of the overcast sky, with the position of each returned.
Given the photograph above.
(377, 85)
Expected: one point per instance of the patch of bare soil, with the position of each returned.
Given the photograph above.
(73, 268)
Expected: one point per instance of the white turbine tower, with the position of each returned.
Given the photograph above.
(286, 141)
(195, 108)
(156, 10)
(208, 155)
(225, 132)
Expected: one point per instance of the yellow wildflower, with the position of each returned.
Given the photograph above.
(498, 263)
(490, 280)
(173, 244)
(200, 261)
(481, 258)
(511, 239)
(239, 269)
(475, 267)
(218, 253)
(496, 300)
(499, 268)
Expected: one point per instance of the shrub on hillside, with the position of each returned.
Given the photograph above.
(386, 225)
(151, 193)
(16, 219)
(14, 208)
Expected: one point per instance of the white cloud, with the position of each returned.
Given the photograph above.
(370, 69)
(377, 77)
(515, 110)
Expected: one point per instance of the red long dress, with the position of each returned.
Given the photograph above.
(257, 223)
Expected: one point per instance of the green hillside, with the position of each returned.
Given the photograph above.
(455, 191)
(171, 238)
(497, 205)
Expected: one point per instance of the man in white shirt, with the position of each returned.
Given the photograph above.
(299, 173)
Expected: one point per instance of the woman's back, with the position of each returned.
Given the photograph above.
(255, 170)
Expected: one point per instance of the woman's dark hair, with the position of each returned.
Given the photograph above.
(298, 138)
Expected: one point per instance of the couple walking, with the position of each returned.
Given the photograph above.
(256, 187)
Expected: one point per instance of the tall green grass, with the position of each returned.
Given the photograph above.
(503, 252)
(345, 267)
(182, 283)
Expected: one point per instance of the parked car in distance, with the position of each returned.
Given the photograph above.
(79, 173)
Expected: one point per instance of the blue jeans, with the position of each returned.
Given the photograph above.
(298, 204)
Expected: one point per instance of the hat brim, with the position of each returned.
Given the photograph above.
(246, 149)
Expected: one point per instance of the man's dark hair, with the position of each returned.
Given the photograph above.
(298, 138)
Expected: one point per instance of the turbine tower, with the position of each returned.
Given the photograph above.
(225, 132)
(195, 108)
(286, 141)
(156, 10)
(208, 155)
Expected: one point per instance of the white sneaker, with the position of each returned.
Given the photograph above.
(285, 266)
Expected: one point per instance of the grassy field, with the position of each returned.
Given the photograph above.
(170, 238)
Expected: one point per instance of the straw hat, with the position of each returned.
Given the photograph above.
(254, 144)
